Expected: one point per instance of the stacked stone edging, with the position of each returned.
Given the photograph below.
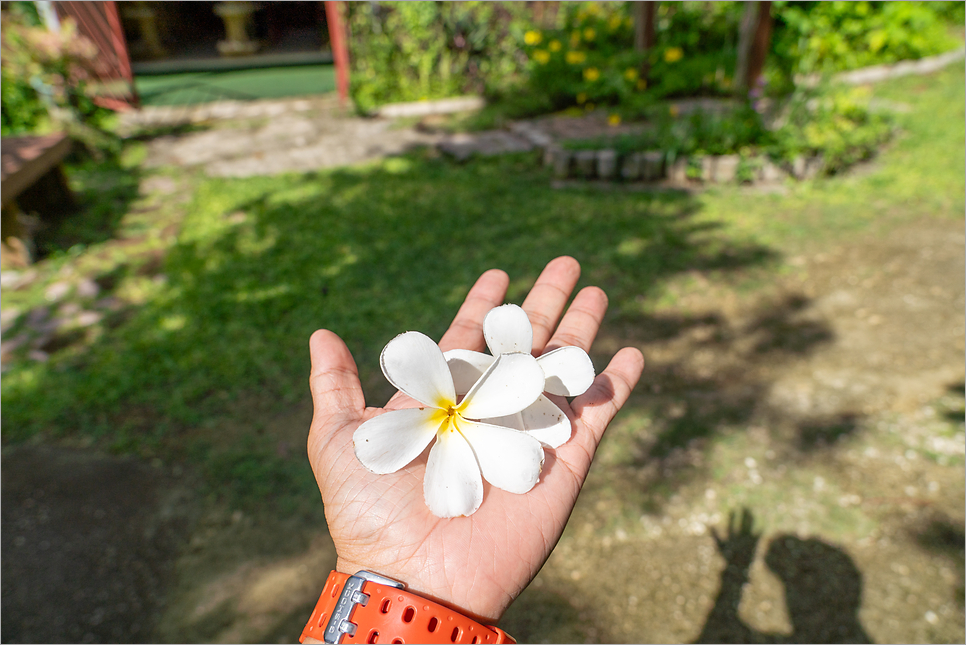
(653, 166)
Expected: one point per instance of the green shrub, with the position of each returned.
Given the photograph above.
(835, 123)
(823, 37)
(406, 51)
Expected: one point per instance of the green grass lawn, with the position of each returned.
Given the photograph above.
(192, 88)
(209, 346)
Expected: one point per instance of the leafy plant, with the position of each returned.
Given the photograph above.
(46, 78)
(822, 37)
(412, 51)
(835, 123)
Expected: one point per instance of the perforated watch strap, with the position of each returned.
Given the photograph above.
(385, 614)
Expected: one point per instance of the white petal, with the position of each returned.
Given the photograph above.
(414, 364)
(546, 423)
(386, 443)
(453, 485)
(510, 459)
(507, 329)
(511, 383)
(514, 421)
(467, 367)
(569, 371)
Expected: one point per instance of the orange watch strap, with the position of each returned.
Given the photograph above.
(388, 614)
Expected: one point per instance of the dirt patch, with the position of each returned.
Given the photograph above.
(89, 543)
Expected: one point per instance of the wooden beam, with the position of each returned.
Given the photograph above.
(340, 47)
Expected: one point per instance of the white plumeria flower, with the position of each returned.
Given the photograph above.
(568, 372)
(465, 446)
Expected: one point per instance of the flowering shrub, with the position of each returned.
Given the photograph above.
(44, 71)
(583, 55)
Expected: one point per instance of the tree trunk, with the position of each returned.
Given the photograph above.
(753, 40)
(644, 36)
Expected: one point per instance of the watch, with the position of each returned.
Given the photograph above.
(370, 608)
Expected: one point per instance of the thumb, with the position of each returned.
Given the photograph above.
(337, 395)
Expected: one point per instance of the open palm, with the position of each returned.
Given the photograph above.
(476, 564)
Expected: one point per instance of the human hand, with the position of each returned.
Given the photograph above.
(477, 564)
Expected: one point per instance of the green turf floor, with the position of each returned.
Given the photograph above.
(192, 88)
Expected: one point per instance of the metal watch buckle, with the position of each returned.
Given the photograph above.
(340, 622)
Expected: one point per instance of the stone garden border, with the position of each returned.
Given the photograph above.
(654, 166)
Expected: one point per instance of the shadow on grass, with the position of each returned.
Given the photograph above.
(263, 262)
(104, 191)
(209, 362)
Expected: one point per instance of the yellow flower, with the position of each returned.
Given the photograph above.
(641, 84)
(555, 45)
(591, 74)
(574, 38)
(630, 74)
(541, 56)
(592, 8)
(575, 58)
(673, 54)
(582, 98)
(674, 110)
(532, 37)
(590, 33)
(614, 120)
(614, 22)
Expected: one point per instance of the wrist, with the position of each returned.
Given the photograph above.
(477, 609)
(369, 607)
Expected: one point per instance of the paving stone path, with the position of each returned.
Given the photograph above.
(242, 139)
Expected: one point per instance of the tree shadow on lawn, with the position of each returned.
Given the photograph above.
(104, 191)
(696, 399)
(261, 263)
(202, 370)
(709, 378)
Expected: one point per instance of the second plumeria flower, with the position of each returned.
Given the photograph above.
(568, 372)
(465, 446)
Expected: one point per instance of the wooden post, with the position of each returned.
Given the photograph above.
(340, 47)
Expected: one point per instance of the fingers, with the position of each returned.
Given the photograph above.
(466, 330)
(597, 406)
(334, 380)
(582, 321)
(548, 297)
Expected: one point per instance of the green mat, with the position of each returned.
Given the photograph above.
(193, 88)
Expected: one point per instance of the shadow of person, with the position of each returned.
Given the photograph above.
(823, 589)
